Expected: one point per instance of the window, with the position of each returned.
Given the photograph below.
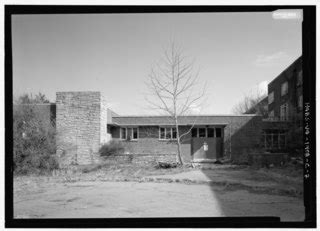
(299, 78)
(268, 141)
(202, 132)
(206, 132)
(174, 133)
(284, 112)
(167, 133)
(218, 132)
(129, 133)
(274, 139)
(210, 132)
(271, 98)
(282, 140)
(194, 132)
(300, 102)
(123, 133)
(284, 88)
(162, 133)
(135, 132)
(271, 114)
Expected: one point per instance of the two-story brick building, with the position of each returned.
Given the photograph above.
(285, 95)
(283, 127)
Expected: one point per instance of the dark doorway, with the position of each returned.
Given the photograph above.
(207, 143)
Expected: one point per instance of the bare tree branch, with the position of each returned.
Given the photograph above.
(172, 82)
(253, 103)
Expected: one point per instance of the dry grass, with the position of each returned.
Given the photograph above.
(109, 170)
(289, 176)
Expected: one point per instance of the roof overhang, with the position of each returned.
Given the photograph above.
(197, 124)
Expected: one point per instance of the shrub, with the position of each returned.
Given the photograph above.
(111, 148)
(34, 145)
(167, 164)
(91, 167)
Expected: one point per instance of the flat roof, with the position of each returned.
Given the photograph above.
(182, 120)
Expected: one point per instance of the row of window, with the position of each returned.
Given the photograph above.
(126, 133)
(284, 91)
(284, 109)
(284, 88)
(170, 133)
(167, 133)
(206, 132)
(284, 112)
(274, 140)
(270, 139)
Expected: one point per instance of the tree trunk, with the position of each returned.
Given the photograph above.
(179, 152)
(179, 156)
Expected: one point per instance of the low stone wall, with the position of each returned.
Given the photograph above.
(265, 159)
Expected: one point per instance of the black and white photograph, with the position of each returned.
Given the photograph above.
(123, 112)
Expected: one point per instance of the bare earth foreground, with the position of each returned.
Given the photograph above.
(103, 199)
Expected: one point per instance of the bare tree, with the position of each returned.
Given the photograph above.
(175, 86)
(253, 103)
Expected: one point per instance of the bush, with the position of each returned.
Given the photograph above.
(167, 164)
(91, 167)
(34, 144)
(111, 148)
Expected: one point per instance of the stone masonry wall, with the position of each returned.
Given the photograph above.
(79, 124)
(104, 135)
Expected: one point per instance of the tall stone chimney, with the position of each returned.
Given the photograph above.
(81, 122)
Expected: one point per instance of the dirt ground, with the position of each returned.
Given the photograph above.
(103, 199)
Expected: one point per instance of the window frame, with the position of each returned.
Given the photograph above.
(287, 88)
(300, 100)
(160, 133)
(275, 136)
(197, 132)
(206, 132)
(214, 132)
(172, 132)
(167, 130)
(271, 114)
(132, 136)
(271, 94)
(299, 78)
(286, 116)
(126, 129)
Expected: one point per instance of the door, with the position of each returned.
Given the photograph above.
(214, 146)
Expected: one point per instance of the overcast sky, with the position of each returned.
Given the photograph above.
(113, 53)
